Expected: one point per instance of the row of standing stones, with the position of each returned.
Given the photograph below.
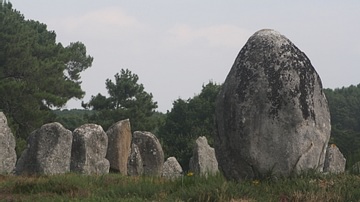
(271, 116)
(53, 149)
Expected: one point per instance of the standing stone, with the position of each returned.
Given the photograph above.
(151, 152)
(334, 160)
(135, 164)
(7, 147)
(172, 169)
(355, 169)
(89, 150)
(48, 151)
(118, 151)
(203, 161)
(271, 113)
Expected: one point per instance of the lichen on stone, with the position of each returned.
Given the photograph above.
(271, 101)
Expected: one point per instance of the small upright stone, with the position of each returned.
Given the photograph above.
(7, 147)
(355, 169)
(151, 152)
(334, 160)
(48, 151)
(271, 112)
(172, 169)
(135, 164)
(118, 151)
(203, 161)
(89, 150)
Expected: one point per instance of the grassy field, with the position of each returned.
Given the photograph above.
(114, 187)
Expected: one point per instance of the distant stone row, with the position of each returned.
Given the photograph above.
(52, 149)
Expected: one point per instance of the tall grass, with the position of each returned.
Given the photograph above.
(114, 187)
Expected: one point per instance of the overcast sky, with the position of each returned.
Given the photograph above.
(177, 46)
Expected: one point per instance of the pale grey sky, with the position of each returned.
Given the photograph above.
(177, 46)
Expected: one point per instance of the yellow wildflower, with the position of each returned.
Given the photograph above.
(255, 182)
(189, 174)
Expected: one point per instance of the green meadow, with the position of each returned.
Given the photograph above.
(114, 187)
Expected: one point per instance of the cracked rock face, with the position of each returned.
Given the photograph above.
(48, 151)
(135, 164)
(334, 160)
(119, 142)
(89, 148)
(203, 161)
(151, 152)
(172, 169)
(7, 147)
(271, 113)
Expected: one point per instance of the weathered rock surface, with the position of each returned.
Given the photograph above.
(271, 113)
(172, 169)
(89, 150)
(203, 161)
(151, 152)
(355, 169)
(334, 160)
(48, 151)
(119, 136)
(135, 164)
(7, 147)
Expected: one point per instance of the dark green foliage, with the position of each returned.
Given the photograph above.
(73, 118)
(345, 107)
(21, 145)
(36, 72)
(98, 102)
(344, 104)
(187, 120)
(127, 100)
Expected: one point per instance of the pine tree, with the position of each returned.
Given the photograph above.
(36, 73)
(127, 100)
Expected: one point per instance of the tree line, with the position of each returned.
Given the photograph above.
(39, 75)
(344, 104)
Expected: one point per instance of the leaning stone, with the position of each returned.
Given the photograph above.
(271, 112)
(135, 164)
(89, 149)
(203, 161)
(151, 152)
(334, 160)
(48, 151)
(172, 169)
(7, 147)
(118, 151)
